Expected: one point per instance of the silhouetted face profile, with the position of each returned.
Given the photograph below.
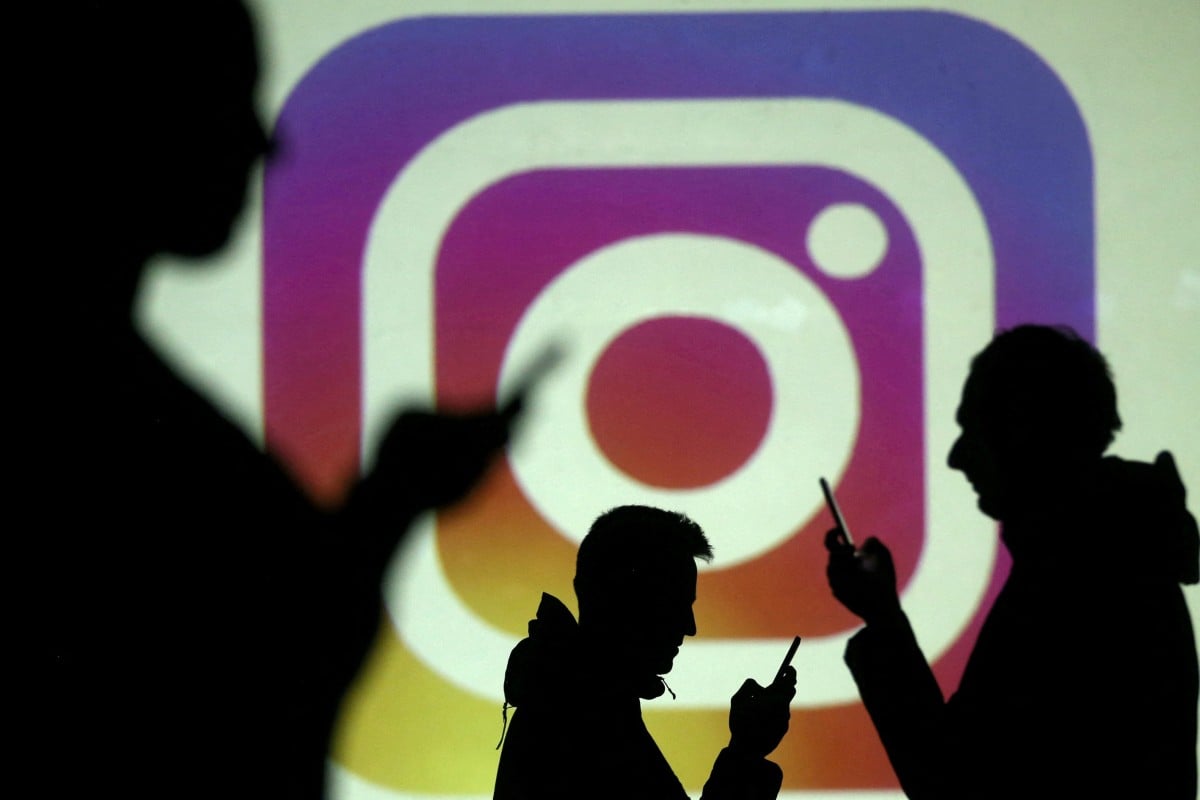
(1037, 411)
(636, 584)
(983, 456)
(176, 130)
(660, 616)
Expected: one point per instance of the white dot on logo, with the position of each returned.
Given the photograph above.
(847, 240)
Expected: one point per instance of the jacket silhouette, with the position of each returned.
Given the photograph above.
(1083, 681)
(576, 733)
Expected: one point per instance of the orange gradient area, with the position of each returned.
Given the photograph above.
(679, 402)
(499, 555)
(406, 728)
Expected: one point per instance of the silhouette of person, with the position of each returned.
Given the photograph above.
(577, 730)
(1083, 680)
(196, 618)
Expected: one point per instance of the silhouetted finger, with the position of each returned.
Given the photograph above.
(750, 689)
(876, 556)
(784, 684)
(835, 542)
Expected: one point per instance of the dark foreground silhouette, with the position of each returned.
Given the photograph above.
(194, 619)
(577, 730)
(1083, 681)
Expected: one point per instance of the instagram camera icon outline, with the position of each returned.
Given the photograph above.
(372, 106)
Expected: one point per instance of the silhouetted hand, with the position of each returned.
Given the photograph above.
(864, 581)
(429, 460)
(758, 717)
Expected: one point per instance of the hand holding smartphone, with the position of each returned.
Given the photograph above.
(759, 715)
(868, 558)
(532, 374)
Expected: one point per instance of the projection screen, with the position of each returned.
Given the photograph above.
(768, 237)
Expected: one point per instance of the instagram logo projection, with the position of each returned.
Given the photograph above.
(767, 245)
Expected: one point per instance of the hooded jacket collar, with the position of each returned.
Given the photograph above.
(1130, 518)
(556, 659)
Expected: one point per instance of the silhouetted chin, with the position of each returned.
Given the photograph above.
(201, 233)
(990, 506)
(202, 242)
(663, 664)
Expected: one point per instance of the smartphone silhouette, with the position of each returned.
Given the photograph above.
(788, 658)
(838, 519)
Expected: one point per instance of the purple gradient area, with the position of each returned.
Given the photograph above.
(517, 235)
(991, 105)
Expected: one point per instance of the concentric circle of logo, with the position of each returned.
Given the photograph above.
(798, 332)
(725, 278)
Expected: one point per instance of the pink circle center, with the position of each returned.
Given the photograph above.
(679, 402)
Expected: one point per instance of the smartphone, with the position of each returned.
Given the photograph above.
(531, 375)
(788, 658)
(838, 519)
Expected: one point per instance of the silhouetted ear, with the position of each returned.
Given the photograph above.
(591, 604)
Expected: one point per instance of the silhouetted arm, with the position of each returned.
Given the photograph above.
(906, 706)
(742, 776)
(893, 677)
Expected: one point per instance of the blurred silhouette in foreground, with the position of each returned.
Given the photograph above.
(1083, 681)
(197, 619)
(578, 730)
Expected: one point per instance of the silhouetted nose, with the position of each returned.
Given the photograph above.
(689, 627)
(954, 457)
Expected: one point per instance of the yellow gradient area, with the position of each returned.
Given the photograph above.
(405, 727)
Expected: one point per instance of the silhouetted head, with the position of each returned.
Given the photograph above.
(163, 130)
(635, 578)
(1038, 408)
